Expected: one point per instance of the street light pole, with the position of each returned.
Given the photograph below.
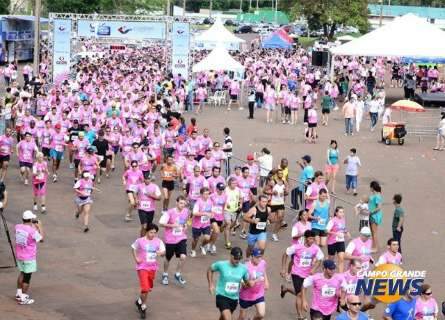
(381, 13)
(184, 2)
(241, 6)
(210, 8)
(38, 5)
(168, 7)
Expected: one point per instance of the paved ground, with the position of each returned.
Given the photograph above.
(91, 276)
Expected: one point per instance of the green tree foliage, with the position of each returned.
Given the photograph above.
(328, 14)
(4, 6)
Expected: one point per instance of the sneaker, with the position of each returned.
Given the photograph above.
(180, 279)
(142, 313)
(35, 207)
(26, 300)
(243, 235)
(54, 178)
(228, 246)
(284, 225)
(165, 279)
(213, 249)
(233, 233)
(203, 251)
(71, 165)
(275, 238)
(138, 305)
(193, 253)
(86, 229)
(43, 210)
(25, 182)
(21, 297)
(128, 218)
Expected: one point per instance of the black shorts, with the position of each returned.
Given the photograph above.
(197, 232)
(325, 111)
(286, 110)
(245, 304)
(312, 125)
(297, 281)
(336, 248)
(103, 163)
(45, 152)
(4, 159)
(175, 249)
(219, 223)
(76, 163)
(25, 164)
(320, 233)
(224, 303)
(233, 97)
(275, 208)
(169, 185)
(317, 315)
(146, 217)
(245, 207)
(254, 191)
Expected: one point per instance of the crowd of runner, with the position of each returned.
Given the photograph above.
(126, 110)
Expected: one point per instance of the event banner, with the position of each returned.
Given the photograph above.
(180, 38)
(62, 49)
(132, 30)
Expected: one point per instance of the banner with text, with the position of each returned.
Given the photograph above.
(61, 49)
(180, 38)
(132, 30)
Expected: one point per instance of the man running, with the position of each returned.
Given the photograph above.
(147, 194)
(169, 174)
(232, 274)
(145, 251)
(175, 237)
(6, 143)
(257, 218)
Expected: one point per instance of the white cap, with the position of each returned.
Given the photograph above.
(365, 231)
(28, 215)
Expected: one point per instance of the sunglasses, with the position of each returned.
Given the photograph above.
(428, 293)
(134, 166)
(355, 304)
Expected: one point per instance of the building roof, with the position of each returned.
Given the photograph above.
(22, 17)
(395, 11)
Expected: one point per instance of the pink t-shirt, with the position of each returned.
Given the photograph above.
(144, 195)
(132, 179)
(147, 252)
(172, 216)
(80, 146)
(350, 282)
(325, 292)
(426, 310)
(26, 238)
(26, 151)
(299, 229)
(202, 206)
(336, 225)
(257, 273)
(212, 181)
(89, 163)
(6, 144)
(39, 170)
(206, 166)
(388, 257)
(361, 249)
(244, 184)
(304, 258)
(196, 183)
(218, 204)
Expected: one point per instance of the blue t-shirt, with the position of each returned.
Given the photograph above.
(401, 310)
(306, 174)
(322, 212)
(230, 276)
(344, 316)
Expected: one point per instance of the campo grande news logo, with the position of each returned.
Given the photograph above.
(387, 283)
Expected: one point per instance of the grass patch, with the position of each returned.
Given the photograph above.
(306, 41)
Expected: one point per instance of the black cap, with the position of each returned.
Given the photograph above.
(329, 264)
(307, 158)
(220, 186)
(236, 253)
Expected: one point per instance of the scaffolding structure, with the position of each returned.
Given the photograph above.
(75, 17)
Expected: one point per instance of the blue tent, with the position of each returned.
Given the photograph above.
(276, 42)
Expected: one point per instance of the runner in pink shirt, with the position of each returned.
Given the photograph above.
(26, 151)
(201, 215)
(84, 188)
(306, 259)
(360, 249)
(187, 169)
(58, 143)
(215, 179)
(218, 154)
(175, 237)
(219, 200)
(327, 288)
(131, 178)
(39, 182)
(201, 95)
(145, 251)
(426, 305)
(27, 235)
(206, 164)
(337, 232)
(6, 147)
(147, 194)
(89, 162)
(391, 255)
(254, 295)
(351, 277)
(79, 148)
(194, 184)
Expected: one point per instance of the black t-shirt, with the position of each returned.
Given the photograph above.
(395, 70)
(73, 132)
(101, 146)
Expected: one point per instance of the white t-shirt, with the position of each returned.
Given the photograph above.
(386, 118)
(266, 164)
(352, 165)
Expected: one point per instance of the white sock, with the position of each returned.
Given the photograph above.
(177, 274)
(19, 292)
(143, 307)
(165, 274)
(139, 301)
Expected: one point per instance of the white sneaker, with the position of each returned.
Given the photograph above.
(193, 253)
(203, 251)
(26, 300)
(26, 182)
(35, 208)
(275, 238)
(213, 249)
(54, 177)
(71, 165)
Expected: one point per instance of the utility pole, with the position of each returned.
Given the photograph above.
(210, 8)
(250, 5)
(168, 8)
(257, 7)
(184, 2)
(38, 5)
(276, 10)
(381, 13)
(241, 6)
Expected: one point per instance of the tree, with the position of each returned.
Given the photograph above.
(329, 14)
(4, 6)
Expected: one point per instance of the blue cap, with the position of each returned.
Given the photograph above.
(257, 252)
(329, 264)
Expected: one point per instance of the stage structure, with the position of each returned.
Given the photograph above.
(68, 30)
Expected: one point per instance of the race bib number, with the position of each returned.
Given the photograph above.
(151, 256)
(261, 225)
(365, 265)
(340, 237)
(217, 210)
(4, 149)
(145, 204)
(350, 288)
(40, 176)
(305, 262)
(27, 155)
(428, 318)
(327, 292)
(133, 188)
(168, 174)
(59, 148)
(232, 287)
(322, 222)
(177, 231)
(205, 219)
(21, 237)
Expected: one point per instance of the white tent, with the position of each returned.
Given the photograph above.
(406, 36)
(345, 38)
(218, 60)
(216, 34)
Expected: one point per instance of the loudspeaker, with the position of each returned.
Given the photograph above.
(320, 58)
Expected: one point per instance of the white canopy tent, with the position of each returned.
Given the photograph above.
(218, 60)
(217, 34)
(407, 36)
